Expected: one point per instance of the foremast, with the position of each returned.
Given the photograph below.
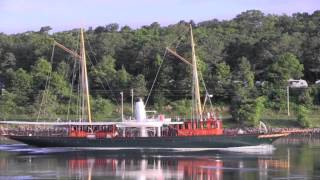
(84, 79)
(196, 89)
(196, 101)
(85, 102)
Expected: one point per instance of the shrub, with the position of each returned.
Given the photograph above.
(302, 116)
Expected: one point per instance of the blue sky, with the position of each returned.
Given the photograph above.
(25, 15)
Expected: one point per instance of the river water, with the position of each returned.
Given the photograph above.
(288, 158)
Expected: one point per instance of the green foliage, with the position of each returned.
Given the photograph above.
(220, 80)
(102, 108)
(303, 116)
(259, 107)
(8, 105)
(249, 111)
(181, 107)
(245, 105)
(231, 55)
(223, 71)
(305, 98)
(46, 105)
(286, 67)
(21, 86)
(139, 86)
(123, 78)
(40, 72)
(245, 73)
(59, 85)
(105, 69)
(21, 82)
(9, 61)
(160, 102)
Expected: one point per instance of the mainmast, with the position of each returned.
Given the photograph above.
(84, 79)
(85, 103)
(196, 88)
(196, 102)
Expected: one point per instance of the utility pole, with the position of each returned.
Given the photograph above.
(121, 93)
(131, 92)
(288, 101)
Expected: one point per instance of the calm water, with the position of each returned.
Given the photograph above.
(291, 158)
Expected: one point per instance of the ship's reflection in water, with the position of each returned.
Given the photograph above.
(152, 168)
(46, 163)
(288, 161)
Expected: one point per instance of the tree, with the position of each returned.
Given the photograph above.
(244, 106)
(21, 86)
(105, 73)
(45, 29)
(221, 79)
(125, 29)
(107, 66)
(285, 67)
(244, 73)
(59, 86)
(250, 20)
(139, 86)
(40, 72)
(112, 27)
(63, 69)
(231, 54)
(122, 79)
(9, 61)
(102, 108)
(7, 105)
(46, 105)
(303, 116)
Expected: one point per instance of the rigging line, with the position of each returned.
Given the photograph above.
(47, 84)
(73, 78)
(178, 40)
(50, 74)
(205, 88)
(95, 59)
(112, 92)
(155, 79)
(79, 100)
(72, 84)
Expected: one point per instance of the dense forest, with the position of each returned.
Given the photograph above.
(245, 62)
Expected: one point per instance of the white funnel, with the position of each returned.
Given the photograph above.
(140, 111)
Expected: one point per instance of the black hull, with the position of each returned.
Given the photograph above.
(223, 141)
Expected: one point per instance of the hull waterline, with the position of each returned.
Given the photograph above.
(223, 141)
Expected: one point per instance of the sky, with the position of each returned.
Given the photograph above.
(18, 16)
